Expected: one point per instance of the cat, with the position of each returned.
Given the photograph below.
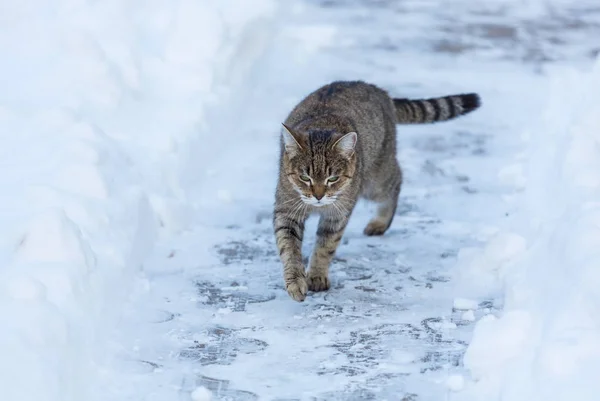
(339, 144)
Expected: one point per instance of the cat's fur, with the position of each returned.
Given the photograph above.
(337, 145)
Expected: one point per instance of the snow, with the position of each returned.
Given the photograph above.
(469, 316)
(455, 382)
(102, 104)
(139, 153)
(464, 303)
(480, 271)
(544, 345)
(201, 394)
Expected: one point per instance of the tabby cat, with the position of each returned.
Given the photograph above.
(339, 144)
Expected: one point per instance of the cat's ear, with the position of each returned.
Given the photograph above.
(345, 145)
(291, 140)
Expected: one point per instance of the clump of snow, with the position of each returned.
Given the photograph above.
(465, 303)
(545, 346)
(497, 341)
(480, 272)
(455, 382)
(468, 316)
(201, 394)
(404, 357)
(103, 106)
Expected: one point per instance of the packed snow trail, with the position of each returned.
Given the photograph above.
(210, 309)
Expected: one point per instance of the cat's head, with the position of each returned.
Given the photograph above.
(319, 164)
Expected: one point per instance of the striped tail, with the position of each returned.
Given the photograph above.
(423, 111)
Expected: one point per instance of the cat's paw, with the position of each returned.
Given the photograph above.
(318, 283)
(375, 227)
(297, 289)
(296, 285)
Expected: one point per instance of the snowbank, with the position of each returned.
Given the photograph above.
(103, 106)
(546, 344)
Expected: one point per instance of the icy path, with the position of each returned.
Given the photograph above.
(211, 309)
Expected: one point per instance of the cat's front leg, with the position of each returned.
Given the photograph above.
(329, 234)
(289, 231)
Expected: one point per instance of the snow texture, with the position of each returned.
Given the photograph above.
(201, 394)
(544, 345)
(100, 106)
(140, 146)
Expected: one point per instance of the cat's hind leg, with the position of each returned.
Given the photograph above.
(384, 192)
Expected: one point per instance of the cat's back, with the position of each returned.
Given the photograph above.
(337, 91)
(346, 98)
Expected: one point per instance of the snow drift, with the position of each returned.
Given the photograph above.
(102, 105)
(545, 346)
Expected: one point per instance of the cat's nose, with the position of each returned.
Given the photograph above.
(319, 191)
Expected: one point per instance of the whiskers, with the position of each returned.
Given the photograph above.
(297, 209)
(339, 209)
(337, 205)
(312, 201)
(287, 202)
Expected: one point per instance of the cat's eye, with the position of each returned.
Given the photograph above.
(333, 178)
(304, 178)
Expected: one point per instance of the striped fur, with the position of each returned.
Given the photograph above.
(423, 111)
(288, 223)
(345, 130)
